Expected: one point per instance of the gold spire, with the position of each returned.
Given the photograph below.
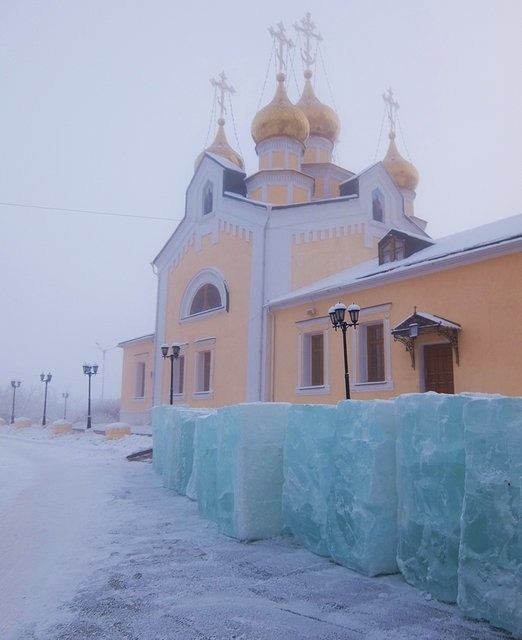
(322, 119)
(280, 117)
(220, 146)
(403, 173)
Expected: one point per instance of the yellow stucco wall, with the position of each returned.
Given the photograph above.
(277, 193)
(485, 298)
(232, 257)
(278, 160)
(141, 351)
(316, 259)
(335, 190)
(300, 194)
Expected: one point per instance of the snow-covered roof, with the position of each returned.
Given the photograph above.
(124, 343)
(370, 272)
(224, 162)
(430, 318)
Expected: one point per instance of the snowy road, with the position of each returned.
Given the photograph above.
(92, 547)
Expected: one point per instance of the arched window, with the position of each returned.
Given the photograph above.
(207, 297)
(377, 206)
(207, 292)
(208, 198)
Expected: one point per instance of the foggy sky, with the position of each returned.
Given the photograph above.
(105, 104)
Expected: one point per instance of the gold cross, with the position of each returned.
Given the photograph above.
(307, 28)
(221, 83)
(281, 41)
(392, 106)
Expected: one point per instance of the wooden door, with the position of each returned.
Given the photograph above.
(438, 368)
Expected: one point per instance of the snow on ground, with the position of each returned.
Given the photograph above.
(93, 547)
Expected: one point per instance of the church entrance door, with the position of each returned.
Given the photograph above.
(438, 368)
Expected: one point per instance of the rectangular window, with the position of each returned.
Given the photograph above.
(179, 375)
(139, 389)
(375, 353)
(313, 360)
(203, 364)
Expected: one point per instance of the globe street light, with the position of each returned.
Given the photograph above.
(45, 378)
(65, 396)
(89, 370)
(337, 313)
(15, 384)
(173, 356)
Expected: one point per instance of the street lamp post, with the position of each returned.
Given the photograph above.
(15, 384)
(89, 370)
(173, 356)
(45, 378)
(65, 396)
(337, 313)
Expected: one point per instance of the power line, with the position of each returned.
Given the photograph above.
(88, 211)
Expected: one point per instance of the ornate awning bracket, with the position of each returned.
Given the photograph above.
(452, 335)
(421, 323)
(409, 343)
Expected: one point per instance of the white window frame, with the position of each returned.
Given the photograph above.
(208, 186)
(177, 363)
(210, 275)
(201, 346)
(308, 328)
(140, 364)
(367, 317)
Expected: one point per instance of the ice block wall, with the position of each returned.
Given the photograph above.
(435, 479)
(308, 473)
(490, 563)
(430, 483)
(361, 531)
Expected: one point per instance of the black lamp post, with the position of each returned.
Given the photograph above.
(173, 356)
(45, 378)
(15, 384)
(89, 370)
(337, 313)
(65, 396)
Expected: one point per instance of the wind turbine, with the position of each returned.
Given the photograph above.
(104, 352)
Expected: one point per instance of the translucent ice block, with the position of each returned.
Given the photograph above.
(362, 506)
(250, 469)
(430, 482)
(308, 473)
(490, 566)
(179, 446)
(158, 437)
(205, 464)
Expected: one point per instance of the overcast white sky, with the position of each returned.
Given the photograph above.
(104, 104)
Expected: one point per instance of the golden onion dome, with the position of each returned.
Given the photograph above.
(221, 148)
(404, 174)
(322, 119)
(280, 118)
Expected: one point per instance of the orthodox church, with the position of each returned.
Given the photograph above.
(247, 281)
